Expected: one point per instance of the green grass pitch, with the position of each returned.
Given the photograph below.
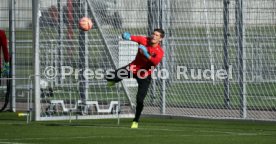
(151, 131)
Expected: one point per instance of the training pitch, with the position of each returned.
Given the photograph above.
(151, 131)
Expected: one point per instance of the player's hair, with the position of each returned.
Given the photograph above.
(161, 31)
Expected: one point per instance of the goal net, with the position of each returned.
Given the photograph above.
(73, 64)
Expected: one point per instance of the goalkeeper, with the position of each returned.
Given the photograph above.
(149, 55)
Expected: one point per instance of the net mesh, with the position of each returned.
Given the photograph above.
(65, 49)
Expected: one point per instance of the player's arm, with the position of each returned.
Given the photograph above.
(144, 51)
(155, 59)
(139, 39)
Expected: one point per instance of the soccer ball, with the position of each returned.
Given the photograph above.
(85, 24)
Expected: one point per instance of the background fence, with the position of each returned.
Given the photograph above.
(237, 36)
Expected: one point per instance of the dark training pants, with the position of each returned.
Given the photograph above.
(143, 86)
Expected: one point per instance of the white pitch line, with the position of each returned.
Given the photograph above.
(12, 123)
(82, 137)
(11, 143)
(139, 136)
(238, 133)
(171, 130)
(86, 137)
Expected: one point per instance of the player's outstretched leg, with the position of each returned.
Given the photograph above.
(143, 86)
(116, 76)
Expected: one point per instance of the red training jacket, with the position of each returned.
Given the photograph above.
(4, 46)
(141, 62)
